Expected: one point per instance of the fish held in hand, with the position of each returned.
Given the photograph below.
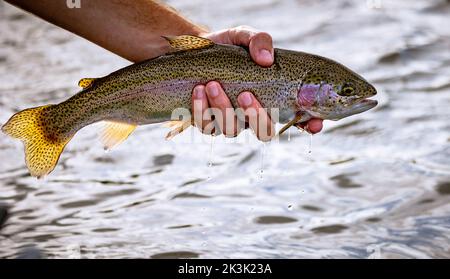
(298, 84)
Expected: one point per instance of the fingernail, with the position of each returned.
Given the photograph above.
(213, 91)
(265, 55)
(245, 99)
(198, 93)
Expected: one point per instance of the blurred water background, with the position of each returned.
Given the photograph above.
(375, 185)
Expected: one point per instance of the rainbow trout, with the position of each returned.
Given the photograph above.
(300, 85)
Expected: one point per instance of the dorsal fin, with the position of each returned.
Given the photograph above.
(188, 42)
(86, 82)
(115, 133)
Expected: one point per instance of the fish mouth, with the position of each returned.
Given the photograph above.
(363, 105)
(358, 106)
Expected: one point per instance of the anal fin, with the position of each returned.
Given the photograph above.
(115, 133)
(177, 126)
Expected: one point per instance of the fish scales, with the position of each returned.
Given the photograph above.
(148, 92)
(299, 84)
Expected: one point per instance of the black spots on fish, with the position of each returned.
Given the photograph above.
(316, 69)
(164, 78)
(42, 140)
(313, 79)
(338, 101)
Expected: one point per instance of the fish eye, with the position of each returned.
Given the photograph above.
(346, 90)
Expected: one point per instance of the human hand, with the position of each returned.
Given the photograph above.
(213, 95)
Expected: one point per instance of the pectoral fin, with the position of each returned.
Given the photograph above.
(188, 42)
(115, 133)
(296, 119)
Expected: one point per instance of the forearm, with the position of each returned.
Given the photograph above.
(131, 29)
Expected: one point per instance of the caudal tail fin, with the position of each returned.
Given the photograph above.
(43, 143)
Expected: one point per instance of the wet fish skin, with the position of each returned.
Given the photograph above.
(137, 90)
(299, 84)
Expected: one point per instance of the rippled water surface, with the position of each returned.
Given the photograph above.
(374, 185)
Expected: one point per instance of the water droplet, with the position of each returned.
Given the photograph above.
(211, 155)
(310, 143)
(263, 153)
(211, 152)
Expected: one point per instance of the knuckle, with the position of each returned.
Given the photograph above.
(264, 35)
(243, 27)
(199, 86)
